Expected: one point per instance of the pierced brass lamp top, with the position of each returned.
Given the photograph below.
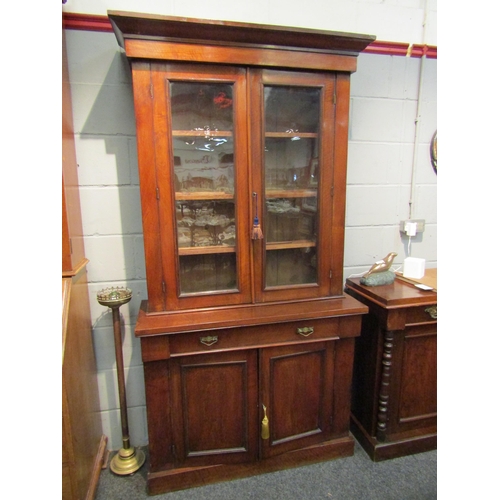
(114, 297)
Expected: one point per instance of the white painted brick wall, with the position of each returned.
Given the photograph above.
(384, 102)
(111, 215)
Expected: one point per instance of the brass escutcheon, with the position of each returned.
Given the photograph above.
(432, 311)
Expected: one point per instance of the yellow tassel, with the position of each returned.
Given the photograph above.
(265, 426)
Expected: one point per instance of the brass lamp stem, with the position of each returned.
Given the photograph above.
(121, 376)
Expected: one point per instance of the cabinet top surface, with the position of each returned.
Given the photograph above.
(399, 294)
(139, 25)
(246, 315)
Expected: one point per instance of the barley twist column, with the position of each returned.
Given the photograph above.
(383, 399)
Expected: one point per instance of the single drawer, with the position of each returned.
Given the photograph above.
(422, 314)
(253, 336)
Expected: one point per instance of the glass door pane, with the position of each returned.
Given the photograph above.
(291, 182)
(204, 185)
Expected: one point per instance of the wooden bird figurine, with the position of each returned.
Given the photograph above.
(381, 265)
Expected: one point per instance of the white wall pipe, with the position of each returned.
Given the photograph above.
(411, 202)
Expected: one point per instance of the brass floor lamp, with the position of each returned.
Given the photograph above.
(128, 460)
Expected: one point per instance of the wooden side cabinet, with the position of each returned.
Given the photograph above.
(394, 403)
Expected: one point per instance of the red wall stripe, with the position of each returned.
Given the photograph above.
(387, 48)
(88, 22)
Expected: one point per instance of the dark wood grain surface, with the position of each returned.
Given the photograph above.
(214, 357)
(399, 294)
(394, 401)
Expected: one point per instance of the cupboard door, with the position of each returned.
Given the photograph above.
(214, 408)
(202, 174)
(292, 155)
(297, 391)
(414, 391)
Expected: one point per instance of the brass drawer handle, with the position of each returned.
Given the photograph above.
(306, 331)
(432, 311)
(210, 340)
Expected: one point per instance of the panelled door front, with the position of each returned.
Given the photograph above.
(214, 408)
(296, 389)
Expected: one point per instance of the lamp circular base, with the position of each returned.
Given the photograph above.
(127, 461)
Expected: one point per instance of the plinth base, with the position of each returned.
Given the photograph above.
(127, 461)
(169, 480)
(421, 441)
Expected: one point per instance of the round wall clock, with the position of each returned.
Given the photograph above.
(434, 151)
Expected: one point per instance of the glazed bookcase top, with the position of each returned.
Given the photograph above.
(242, 153)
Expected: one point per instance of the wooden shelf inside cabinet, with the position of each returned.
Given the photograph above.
(291, 193)
(290, 135)
(206, 250)
(203, 196)
(285, 245)
(202, 133)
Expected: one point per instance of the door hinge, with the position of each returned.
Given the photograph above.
(151, 91)
(334, 98)
(163, 286)
(331, 274)
(157, 193)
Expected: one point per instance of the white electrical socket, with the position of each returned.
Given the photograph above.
(410, 228)
(410, 225)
